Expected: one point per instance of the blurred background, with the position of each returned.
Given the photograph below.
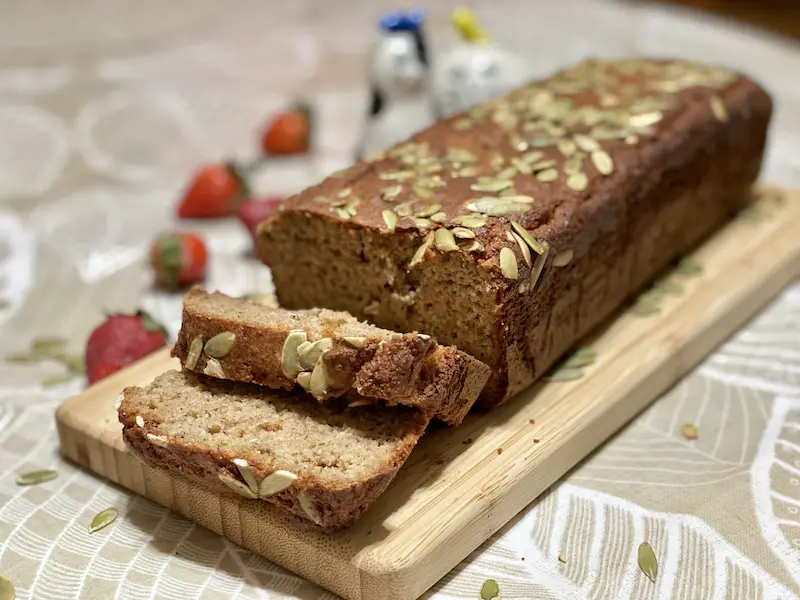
(107, 107)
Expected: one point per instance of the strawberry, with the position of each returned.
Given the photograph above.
(289, 132)
(178, 260)
(121, 340)
(215, 191)
(253, 212)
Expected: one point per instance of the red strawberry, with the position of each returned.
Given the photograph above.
(214, 192)
(253, 212)
(289, 132)
(121, 340)
(178, 260)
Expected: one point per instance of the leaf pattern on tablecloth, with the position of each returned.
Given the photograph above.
(100, 230)
(34, 148)
(598, 536)
(17, 259)
(776, 483)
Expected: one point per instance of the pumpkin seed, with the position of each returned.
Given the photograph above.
(390, 218)
(507, 174)
(535, 245)
(585, 142)
(193, 355)
(57, 379)
(7, 591)
(423, 192)
(428, 210)
(718, 108)
(582, 357)
(139, 420)
(439, 217)
(538, 266)
(563, 258)
(544, 165)
(36, 477)
(220, 345)
(689, 431)
(419, 255)
(532, 157)
(307, 504)
(304, 380)
(470, 221)
(573, 165)
(495, 185)
(247, 473)
(521, 166)
(237, 486)
(669, 286)
(309, 356)
(276, 482)
(564, 375)
(103, 519)
(647, 561)
(646, 305)
(344, 193)
(461, 155)
(508, 263)
(355, 341)
(391, 192)
(602, 162)
(289, 357)
(562, 558)
(158, 440)
(74, 362)
(645, 119)
(48, 345)
(214, 369)
(444, 240)
(472, 246)
(689, 267)
(318, 384)
(422, 223)
(523, 247)
(567, 147)
(577, 182)
(403, 210)
(24, 357)
(490, 590)
(497, 207)
(463, 233)
(547, 175)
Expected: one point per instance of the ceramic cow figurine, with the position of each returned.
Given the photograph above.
(475, 70)
(401, 102)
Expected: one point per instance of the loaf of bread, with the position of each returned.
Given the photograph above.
(330, 354)
(323, 464)
(514, 229)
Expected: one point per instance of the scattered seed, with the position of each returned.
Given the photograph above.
(564, 375)
(103, 519)
(647, 561)
(390, 218)
(490, 590)
(508, 263)
(689, 267)
(583, 357)
(139, 420)
(36, 477)
(57, 379)
(647, 304)
(7, 591)
(689, 431)
(48, 345)
(562, 558)
(669, 286)
(24, 357)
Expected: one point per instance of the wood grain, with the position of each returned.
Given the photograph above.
(452, 495)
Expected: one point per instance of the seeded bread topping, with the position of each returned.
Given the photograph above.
(329, 354)
(513, 229)
(323, 465)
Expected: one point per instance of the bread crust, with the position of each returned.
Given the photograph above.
(688, 145)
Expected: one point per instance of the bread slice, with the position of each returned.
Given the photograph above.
(234, 338)
(321, 463)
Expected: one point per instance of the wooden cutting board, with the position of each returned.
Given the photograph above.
(461, 485)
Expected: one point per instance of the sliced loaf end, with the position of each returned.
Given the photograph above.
(324, 466)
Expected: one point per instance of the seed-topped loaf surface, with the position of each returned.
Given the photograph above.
(329, 353)
(514, 229)
(324, 464)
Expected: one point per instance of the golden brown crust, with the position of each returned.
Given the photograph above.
(384, 369)
(617, 169)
